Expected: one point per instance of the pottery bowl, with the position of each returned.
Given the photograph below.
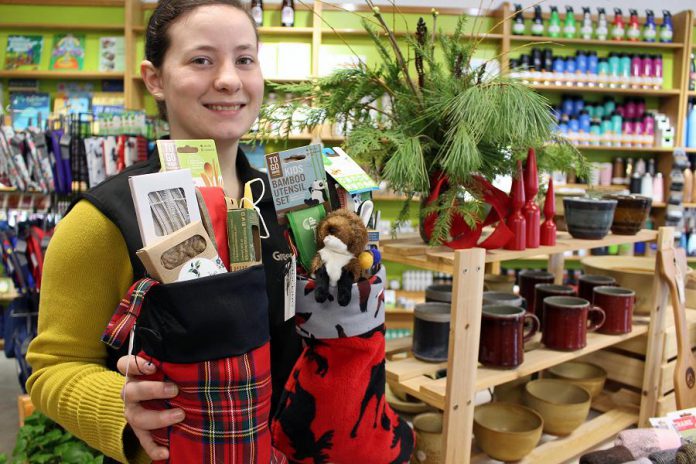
(498, 283)
(588, 218)
(428, 427)
(634, 272)
(511, 392)
(563, 406)
(505, 431)
(583, 374)
(631, 213)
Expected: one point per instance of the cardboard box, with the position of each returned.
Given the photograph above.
(185, 254)
(244, 238)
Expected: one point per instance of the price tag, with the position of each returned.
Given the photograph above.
(290, 288)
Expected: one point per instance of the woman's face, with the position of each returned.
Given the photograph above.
(211, 79)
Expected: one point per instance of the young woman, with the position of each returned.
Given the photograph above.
(202, 68)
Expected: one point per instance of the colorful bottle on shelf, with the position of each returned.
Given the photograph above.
(666, 29)
(515, 221)
(649, 28)
(692, 72)
(569, 25)
(257, 12)
(658, 188)
(688, 183)
(518, 25)
(554, 27)
(287, 13)
(530, 211)
(633, 29)
(587, 28)
(537, 28)
(617, 27)
(548, 228)
(657, 71)
(602, 30)
(691, 125)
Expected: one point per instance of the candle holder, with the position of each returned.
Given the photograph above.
(548, 228)
(531, 211)
(515, 220)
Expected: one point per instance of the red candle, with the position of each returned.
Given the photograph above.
(531, 211)
(516, 221)
(548, 228)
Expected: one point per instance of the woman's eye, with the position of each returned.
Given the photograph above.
(245, 60)
(200, 60)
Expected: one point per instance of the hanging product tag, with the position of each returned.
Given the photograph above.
(290, 286)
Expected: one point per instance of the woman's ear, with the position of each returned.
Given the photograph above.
(153, 79)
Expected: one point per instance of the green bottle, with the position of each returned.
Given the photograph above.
(569, 26)
(554, 23)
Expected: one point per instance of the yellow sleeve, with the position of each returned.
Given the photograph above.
(86, 272)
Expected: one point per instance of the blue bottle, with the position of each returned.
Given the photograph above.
(585, 121)
(649, 28)
(592, 63)
(666, 29)
(691, 126)
(578, 106)
(567, 105)
(581, 62)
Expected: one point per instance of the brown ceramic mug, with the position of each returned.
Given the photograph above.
(543, 291)
(567, 320)
(528, 280)
(617, 304)
(589, 281)
(503, 335)
(503, 298)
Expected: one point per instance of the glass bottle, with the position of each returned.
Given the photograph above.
(587, 29)
(538, 22)
(257, 12)
(287, 13)
(602, 30)
(518, 26)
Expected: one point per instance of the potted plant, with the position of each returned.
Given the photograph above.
(422, 114)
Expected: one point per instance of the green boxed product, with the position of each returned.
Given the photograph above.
(243, 238)
(303, 225)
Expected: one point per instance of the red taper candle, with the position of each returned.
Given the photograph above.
(548, 228)
(531, 211)
(516, 221)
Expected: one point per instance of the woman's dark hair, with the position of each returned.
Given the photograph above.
(165, 14)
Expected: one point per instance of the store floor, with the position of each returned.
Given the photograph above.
(9, 419)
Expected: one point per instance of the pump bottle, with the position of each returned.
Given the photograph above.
(602, 25)
(617, 27)
(633, 31)
(518, 26)
(587, 28)
(649, 28)
(537, 22)
(666, 30)
(569, 26)
(554, 23)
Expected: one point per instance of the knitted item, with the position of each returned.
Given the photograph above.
(640, 461)
(664, 457)
(615, 455)
(642, 442)
(686, 454)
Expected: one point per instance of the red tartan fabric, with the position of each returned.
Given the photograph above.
(334, 410)
(227, 404)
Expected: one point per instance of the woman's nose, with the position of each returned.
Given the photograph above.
(228, 79)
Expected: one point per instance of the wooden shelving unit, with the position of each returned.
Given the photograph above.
(454, 394)
(608, 91)
(625, 149)
(63, 27)
(60, 75)
(604, 43)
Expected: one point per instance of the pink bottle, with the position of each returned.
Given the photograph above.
(548, 228)
(516, 221)
(640, 107)
(531, 211)
(649, 129)
(630, 109)
(647, 74)
(636, 71)
(657, 71)
(628, 132)
(638, 132)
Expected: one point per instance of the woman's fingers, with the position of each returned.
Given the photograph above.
(156, 452)
(140, 418)
(135, 391)
(135, 365)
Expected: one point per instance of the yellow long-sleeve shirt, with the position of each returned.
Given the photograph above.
(86, 273)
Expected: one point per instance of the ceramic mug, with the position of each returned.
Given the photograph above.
(428, 427)
(528, 280)
(503, 298)
(617, 303)
(567, 320)
(589, 281)
(542, 291)
(503, 335)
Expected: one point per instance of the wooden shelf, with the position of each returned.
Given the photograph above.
(275, 31)
(416, 376)
(362, 32)
(63, 27)
(604, 43)
(691, 93)
(441, 259)
(606, 90)
(60, 75)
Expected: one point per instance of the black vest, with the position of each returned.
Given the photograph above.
(112, 197)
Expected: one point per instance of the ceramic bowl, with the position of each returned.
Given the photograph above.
(583, 374)
(631, 213)
(563, 406)
(634, 272)
(506, 431)
(428, 427)
(511, 392)
(498, 283)
(588, 218)
(405, 404)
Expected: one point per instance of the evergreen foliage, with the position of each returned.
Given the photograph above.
(450, 119)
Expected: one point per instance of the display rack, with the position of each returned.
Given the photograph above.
(455, 393)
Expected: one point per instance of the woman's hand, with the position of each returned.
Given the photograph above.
(142, 420)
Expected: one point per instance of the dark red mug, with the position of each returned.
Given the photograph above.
(589, 281)
(617, 303)
(503, 335)
(543, 291)
(567, 320)
(528, 280)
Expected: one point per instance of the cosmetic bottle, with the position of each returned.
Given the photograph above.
(537, 28)
(554, 28)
